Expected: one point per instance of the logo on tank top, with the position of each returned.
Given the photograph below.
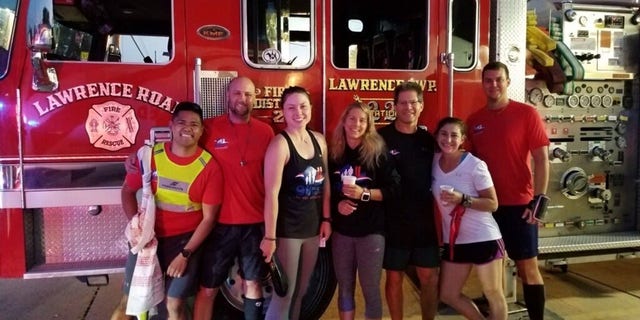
(309, 183)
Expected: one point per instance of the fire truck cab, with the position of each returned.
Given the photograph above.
(83, 82)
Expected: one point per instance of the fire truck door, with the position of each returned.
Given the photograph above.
(118, 76)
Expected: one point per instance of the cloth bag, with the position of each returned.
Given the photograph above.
(147, 284)
(454, 228)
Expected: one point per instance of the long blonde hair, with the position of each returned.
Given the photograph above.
(372, 146)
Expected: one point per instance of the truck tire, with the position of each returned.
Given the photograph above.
(228, 306)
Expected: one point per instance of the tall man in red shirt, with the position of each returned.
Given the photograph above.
(506, 134)
(238, 142)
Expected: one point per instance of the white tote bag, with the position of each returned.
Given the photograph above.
(147, 284)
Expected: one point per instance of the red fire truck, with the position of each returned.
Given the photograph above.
(83, 82)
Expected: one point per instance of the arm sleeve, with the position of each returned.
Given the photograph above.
(538, 135)
(210, 184)
(481, 176)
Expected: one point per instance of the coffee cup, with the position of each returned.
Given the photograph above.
(348, 180)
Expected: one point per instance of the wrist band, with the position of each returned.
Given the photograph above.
(269, 239)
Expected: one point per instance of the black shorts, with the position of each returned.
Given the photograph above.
(224, 245)
(168, 249)
(520, 238)
(475, 253)
(398, 259)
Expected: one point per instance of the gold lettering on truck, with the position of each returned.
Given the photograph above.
(112, 126)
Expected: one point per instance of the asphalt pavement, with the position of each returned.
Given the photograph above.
(58, 298)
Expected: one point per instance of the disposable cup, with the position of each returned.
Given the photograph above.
(348, 180)
(446, 188)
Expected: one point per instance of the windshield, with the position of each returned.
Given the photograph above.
(7, 28)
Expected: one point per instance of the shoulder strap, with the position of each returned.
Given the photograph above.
(144, 156)
(316, 145)
(292, 149)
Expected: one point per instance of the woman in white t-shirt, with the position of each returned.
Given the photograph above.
(466, 198)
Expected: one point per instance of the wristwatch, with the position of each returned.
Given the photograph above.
(466, 200)
(186, 253)
(366, 195)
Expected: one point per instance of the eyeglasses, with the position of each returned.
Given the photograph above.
(412, 103)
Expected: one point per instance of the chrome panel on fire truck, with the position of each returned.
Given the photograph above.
(71, 241)
(10, 184)
(589, 242)
(10, 199)
(212, 95)
(71, 184)
(627, 3)
(510, 47)
(75, 269)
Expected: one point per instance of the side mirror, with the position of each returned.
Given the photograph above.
(40, 41)
(39, 29)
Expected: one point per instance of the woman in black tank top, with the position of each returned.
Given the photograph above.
(296, 210)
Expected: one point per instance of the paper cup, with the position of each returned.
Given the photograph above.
(348, 180)
(445, 188)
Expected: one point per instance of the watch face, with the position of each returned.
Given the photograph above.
(185, 253)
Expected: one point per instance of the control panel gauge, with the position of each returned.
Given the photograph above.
(596, 101)
(535, 96)
(583, 20)
(549, 101)
(621, 128)
(607, 101)
(575, 183)
(621, 142)
(573, 101)
(585, 101)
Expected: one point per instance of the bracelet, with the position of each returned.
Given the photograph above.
(269, 239)
(325, 219)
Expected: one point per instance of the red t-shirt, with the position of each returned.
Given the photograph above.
(504, 140)
(206, 188)
(239, 149)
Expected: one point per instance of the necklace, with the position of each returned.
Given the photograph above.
(242, 153)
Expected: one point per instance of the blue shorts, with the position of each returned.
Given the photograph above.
(399, 259)
(168, 249)
(476, 252)
(520, 238)
(224, 245)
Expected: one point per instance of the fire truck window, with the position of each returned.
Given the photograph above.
(379, 34)
(464, 39)
(112, 31)
(7, 23)
(278, 33)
